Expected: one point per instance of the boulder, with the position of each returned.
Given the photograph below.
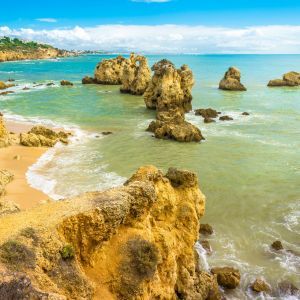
(171, 125)
(277, 245)
(232, 81)
(110, 71)
(40, 136)
(136, 75)
(288, 79)
(225, 118)
(88, 80)
(209, 120)
(170, 87)
(227, 277)
(4, 135)
(66, 83)
(245, 113)
(206, 229)
(206, 113)
(259, 285)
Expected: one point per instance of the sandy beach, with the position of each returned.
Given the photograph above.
(19, 190)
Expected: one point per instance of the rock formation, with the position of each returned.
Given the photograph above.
(4, 135)
(110, 71)
(66, 82)
(40, 136)
(259, 285)
(132, 242)
(136, 76)
(289, 79)
(170, 88)
(227, 277)
(4, 86)
(232, 80)
(169, 92)
(88, 80)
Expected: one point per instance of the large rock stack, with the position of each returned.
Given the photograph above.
(136, 75)
(232, 81)
(169, 92)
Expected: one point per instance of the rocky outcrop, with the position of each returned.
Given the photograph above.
(259, 285)
(66, 82)
(88, 80)
(169, 92)
(232, 81)
(170, 87)
(136, 75)
(117, 244)
(110, 71)
(172, 125)
(289, 79)
(40, 136)
(4, 86)
(40, 53)
(227, 277)
(4, 135)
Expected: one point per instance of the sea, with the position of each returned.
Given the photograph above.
(248, 168)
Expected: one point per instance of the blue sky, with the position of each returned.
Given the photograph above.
(197, 26)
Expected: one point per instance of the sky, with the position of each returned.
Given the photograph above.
(158, 26)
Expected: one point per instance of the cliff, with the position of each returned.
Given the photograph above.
(132, 242)
(15, 49)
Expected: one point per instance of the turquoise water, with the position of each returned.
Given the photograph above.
(249, 168)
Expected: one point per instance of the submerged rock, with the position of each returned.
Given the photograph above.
(206, 229)
(170, 87)
(40, 136)
(227, 277)
(289, 79)
(245, 113)
(286, 288)
(277, 245)
(136, 75)
(232, 81)
(209, 120)
(66, 83)
(88, 80)
(225, 118)
(206, 113)
(259, 285)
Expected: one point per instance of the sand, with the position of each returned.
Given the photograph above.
(19, 190)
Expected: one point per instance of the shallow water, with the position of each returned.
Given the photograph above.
(249, 168)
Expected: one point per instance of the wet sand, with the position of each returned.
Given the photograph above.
(19, 190)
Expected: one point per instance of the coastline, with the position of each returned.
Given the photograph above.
(19, 191)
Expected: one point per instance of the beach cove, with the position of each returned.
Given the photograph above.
(248, 168)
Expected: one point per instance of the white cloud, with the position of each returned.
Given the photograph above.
(47, 20)
(168, 38)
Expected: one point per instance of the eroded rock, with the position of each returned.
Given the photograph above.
(66, 83)
(289, 79)
(225, 118)
(88, 80)
(259, 285)
(227, 277)
(40, 136)
(206, 229)
(277, 245)
(4, 135)
(206, 113)
(232, 81)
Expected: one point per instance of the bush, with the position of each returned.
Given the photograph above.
(17, 255)
(30, 233)
(67, 252)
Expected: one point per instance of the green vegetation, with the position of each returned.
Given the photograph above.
(67, 252)
(30, 233)
(7, 43)
(17, 255)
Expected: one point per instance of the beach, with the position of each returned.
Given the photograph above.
(17, 159)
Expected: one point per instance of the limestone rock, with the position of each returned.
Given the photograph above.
(110, 71)
(277, 245)
(88, 80)
(227, 277)
(136, 75)
(170, 88)
(206, 229)
(259, 285)
(171, 125)
(4, 135)
(289, 79)
(40, 136)
(232, 81)
(66, 83)
(206, 113)
(123, 241)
